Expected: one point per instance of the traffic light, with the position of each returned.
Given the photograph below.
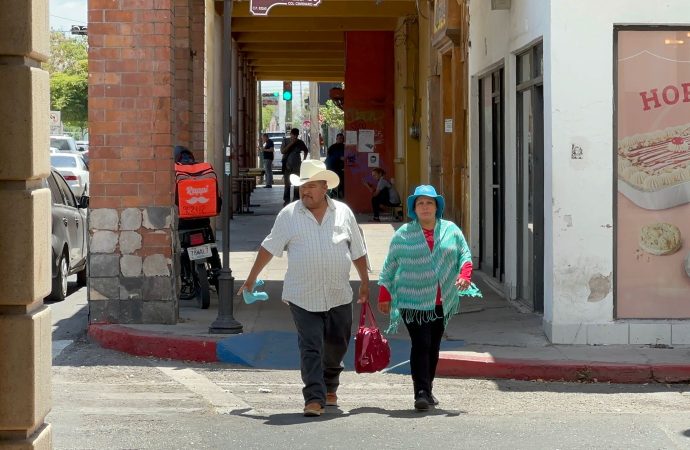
(287, 91)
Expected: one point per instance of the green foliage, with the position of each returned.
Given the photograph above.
(333, 116)
(69, 86)
(267, 113)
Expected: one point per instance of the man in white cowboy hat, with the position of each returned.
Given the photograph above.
(322, 240)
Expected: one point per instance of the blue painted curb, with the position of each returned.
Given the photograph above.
(277, 350)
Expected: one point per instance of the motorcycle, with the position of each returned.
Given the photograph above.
(200, 262)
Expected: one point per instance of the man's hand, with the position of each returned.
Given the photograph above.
(363, 292)
(247, 285)
(385, 307)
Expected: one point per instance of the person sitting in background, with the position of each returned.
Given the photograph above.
(383, 194)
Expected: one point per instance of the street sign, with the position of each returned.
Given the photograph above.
(55, 122)
(261, 7)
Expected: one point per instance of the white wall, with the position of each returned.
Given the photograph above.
(578, 96)
(581, 60)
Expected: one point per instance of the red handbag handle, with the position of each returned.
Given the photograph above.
(366, 308)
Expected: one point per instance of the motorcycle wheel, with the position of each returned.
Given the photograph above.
(204, 294)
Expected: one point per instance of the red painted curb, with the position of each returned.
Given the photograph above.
(135, 342)
(480, 366)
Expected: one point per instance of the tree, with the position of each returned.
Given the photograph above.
(69, 86)
(267, 113)
(333, 116)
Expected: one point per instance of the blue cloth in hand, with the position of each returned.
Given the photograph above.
(251, 297)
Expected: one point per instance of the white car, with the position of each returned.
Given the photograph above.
(74, 170)
(63, 143)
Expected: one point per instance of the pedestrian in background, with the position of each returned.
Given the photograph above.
(293, 152)
(335, 161)
(427, 269)
(268, 150)
(383, 193)
(322, 240)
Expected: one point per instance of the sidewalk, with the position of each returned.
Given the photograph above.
(490, 338)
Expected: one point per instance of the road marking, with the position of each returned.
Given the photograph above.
(59, 346)
(222, 401)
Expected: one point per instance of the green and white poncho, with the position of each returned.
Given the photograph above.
(412, 272)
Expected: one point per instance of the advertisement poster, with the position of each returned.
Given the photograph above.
(366, 141)
(653, 174)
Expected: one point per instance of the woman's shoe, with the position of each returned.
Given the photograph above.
(421, 401)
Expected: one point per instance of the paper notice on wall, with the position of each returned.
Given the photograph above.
(373, 159)
(351, 137)
(366, 141)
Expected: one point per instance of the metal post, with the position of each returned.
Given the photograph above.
(225, 323)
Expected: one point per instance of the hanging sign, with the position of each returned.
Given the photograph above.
(261, 7)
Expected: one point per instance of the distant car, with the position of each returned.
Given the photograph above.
(64, 143)
(69, 235)
(277, 138)
(73, 169)
(82, 146)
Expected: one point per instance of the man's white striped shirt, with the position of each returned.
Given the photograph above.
(319, 255)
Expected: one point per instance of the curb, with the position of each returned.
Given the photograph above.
(481, 366)
(134, 342)
(450, 364)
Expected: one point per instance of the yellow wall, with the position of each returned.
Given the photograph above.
(424, 73)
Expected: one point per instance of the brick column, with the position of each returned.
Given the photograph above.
(25, 324)
(131, 122)
(199, 78)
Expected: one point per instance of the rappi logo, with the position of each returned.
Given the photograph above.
(196, 195)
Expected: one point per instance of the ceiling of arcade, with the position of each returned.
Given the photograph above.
(308, 43)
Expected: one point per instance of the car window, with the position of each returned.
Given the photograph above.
(63, 144)
(63, 161)
(55, 190)
(66, 192)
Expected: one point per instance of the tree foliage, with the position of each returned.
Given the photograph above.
(68, 68)
(333, 116)
(267, 113)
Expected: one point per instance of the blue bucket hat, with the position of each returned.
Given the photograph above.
(425, 190)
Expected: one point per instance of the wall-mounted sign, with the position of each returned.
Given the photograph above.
(448, 125)
(261, 7)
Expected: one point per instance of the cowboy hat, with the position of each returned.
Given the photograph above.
(314, 170)
(425, 190)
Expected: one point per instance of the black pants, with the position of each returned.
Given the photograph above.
(382, 198)
(322, 338)
(426, 344)
(286, 189)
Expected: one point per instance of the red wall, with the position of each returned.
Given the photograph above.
(369, 104)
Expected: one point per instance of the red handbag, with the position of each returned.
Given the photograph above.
(372, 352)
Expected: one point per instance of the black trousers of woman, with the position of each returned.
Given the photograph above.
(426, 344)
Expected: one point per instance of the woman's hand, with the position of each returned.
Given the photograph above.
(385, 307)
(247, 285)
(462, 283)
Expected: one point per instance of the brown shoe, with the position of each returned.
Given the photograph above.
(331, 399)
(313, 409)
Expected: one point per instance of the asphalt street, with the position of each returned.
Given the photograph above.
(108, 400)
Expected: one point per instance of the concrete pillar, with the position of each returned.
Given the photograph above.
(25, 326)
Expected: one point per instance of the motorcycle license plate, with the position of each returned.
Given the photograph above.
(199, 252)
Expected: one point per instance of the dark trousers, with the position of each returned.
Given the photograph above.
(382, 198)
(322, 338)
(426, 344)
(286, 189)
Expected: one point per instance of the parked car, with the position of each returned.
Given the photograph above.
(82, 146)
(69, 235)
(277, 138)
(64, 143)
(74, 170)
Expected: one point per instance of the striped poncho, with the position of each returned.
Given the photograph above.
(412, 272)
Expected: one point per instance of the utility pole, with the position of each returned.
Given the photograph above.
(314, 141)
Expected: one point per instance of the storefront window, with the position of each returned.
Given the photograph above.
(652, 166)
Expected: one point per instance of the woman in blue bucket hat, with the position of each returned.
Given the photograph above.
(427, 270)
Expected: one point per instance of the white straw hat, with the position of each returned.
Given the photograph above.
(314, 170)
